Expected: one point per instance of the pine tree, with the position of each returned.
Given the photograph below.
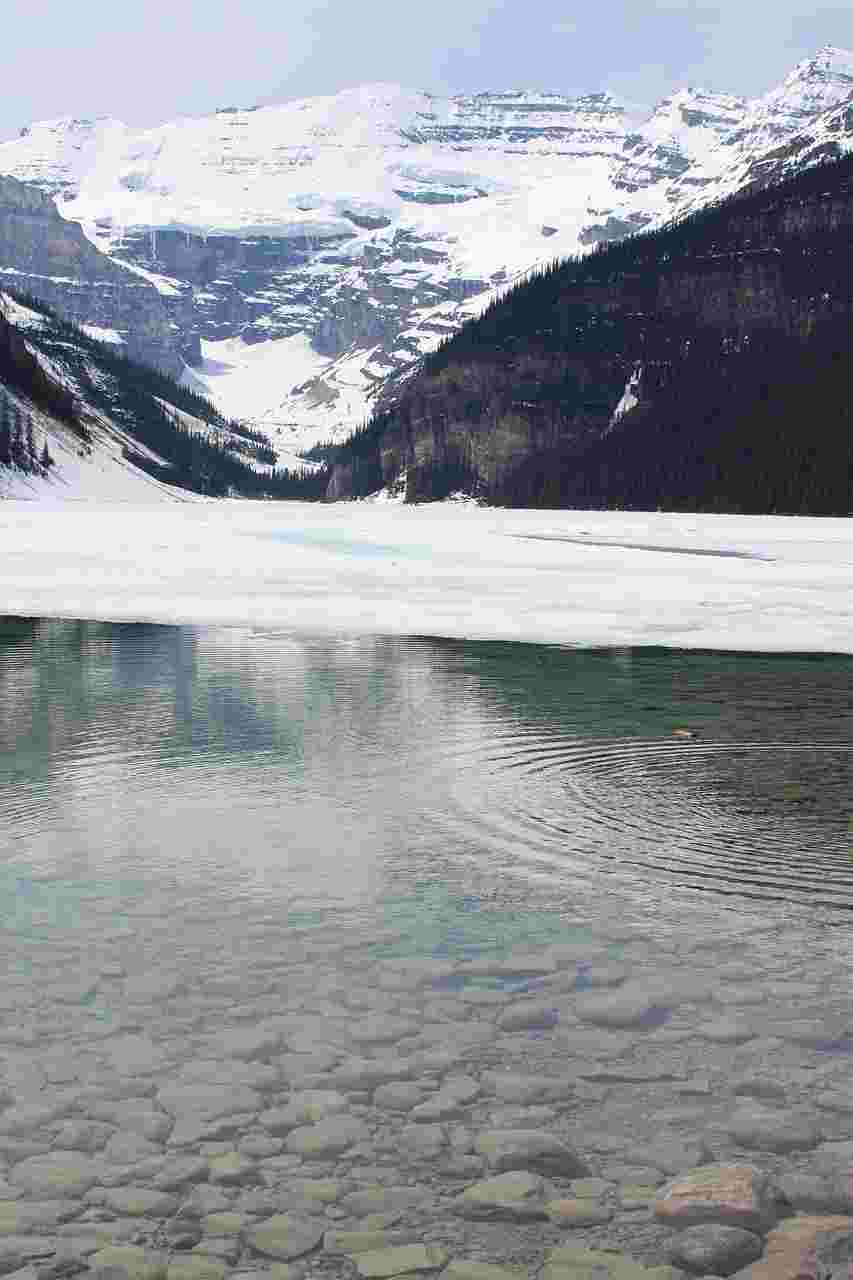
(5, 435)
(18, 451)
(45, 460)
(30, 443)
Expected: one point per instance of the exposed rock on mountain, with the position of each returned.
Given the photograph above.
(808, 118)
(331, 242)
(51, 258)
(702, 365)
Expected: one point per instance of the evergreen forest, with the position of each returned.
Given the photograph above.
(733, 328)
(142, 402)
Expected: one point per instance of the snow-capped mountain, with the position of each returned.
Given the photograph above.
(791, 120)
(318, 247)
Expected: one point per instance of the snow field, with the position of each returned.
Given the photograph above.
(448, 569)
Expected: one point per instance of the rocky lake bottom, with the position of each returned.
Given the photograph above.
(309, 1106)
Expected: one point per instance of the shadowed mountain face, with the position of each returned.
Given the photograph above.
(700, 366)
(357, 231)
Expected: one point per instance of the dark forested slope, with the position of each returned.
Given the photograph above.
(707, 365)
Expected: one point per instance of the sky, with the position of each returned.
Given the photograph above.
(146, 63)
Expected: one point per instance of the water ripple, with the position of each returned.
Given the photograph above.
(751, 820)
(333, 767)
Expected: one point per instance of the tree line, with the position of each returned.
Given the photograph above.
(739, 321)
(210, 459)
(18, 447)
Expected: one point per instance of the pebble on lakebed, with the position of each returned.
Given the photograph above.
(580, 1111)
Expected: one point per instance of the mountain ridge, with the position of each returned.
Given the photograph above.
(697, 366)
(306, 255)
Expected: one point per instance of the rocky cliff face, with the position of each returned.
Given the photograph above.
(320, 248)
(50, 258)
(681, 327)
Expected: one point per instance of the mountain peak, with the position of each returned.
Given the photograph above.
(68, 124)
(813, 86)
(317, 246)
(835, 52)
(829, 62)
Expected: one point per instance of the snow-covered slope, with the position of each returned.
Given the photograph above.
(77, 474)
(808, 118)
(79, 421)
(79, 469)
(322, 245)
(787, 128)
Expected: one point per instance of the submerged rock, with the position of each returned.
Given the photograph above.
(400, 1261)
(528, 1015)
(713, 1249)
(570, 1263)
(633, 1005)
(578, 1213)
(137, 1263)
(730, 1195)
(508, 1149)
(328, 1138)
(792, 1249)
(62, 1174)
(286, 1236)
(517, 1196)
(763, 1129)
(465, 1269)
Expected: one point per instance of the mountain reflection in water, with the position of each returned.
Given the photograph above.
(331, 772)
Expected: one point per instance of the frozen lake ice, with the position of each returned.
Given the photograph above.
(759, 583)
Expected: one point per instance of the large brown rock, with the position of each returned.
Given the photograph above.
(792, 1249)
(735, 1195)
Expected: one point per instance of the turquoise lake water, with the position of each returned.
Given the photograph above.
(465, 790)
